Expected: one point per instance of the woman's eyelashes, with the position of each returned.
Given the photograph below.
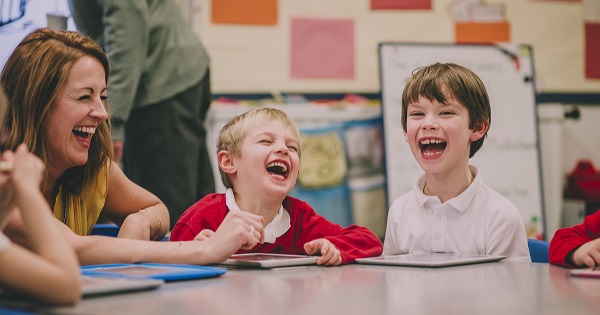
(85, 97)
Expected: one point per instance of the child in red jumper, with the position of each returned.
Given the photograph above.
(578, 246)
(259, 161)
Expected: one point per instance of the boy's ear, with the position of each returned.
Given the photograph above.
(405, 137)
(479, 131)
(226, 163)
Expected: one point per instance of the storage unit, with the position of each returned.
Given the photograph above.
(340, 142)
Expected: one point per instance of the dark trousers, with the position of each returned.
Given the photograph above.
(165, 149)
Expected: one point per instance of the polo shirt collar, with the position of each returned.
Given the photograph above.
(460, 202)
(275, 228)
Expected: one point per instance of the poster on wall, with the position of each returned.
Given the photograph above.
(478, 22)
(260, 12)
(19, 18)
(322, 48)
(401, 4)
(591, 9)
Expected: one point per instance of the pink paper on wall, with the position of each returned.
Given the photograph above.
(322, 48)
(401, 4)
(592, 50)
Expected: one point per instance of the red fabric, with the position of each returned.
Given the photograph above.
(566, 240)
(306, 225)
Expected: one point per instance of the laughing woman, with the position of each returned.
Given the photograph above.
(56, 84)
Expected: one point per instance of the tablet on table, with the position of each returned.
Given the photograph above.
(586, 273)
(165, 272)
(430, 259)
(101, 285)
(260, 260)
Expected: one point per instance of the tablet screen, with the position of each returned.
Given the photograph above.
(139, 270)
(429, 259)
(263, 260)
(165, 272)
(259, 257)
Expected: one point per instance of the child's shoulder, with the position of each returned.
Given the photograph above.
(497, 203)
(210, 202)
(291, 203)
(407, 199)
(493, 196)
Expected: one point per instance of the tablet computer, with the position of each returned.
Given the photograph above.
(166, 272)
(260, 260)
(429, 259)
(586, 273)
(93, 286)
(99, 285)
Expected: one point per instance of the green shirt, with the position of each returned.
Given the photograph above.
(153, 53)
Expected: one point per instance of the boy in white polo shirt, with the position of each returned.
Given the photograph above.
(445, 116)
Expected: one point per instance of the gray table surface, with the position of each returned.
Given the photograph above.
(489, 288)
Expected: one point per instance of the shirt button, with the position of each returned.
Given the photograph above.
(439, 218)
(437, 236)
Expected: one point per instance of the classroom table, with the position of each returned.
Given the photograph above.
(488, 288)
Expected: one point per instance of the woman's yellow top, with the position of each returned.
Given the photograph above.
(83, 210)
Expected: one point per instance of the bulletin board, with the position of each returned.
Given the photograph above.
(510, 157)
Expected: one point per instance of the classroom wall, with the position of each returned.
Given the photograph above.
(581, 137)
(250, 58)
(256, 58)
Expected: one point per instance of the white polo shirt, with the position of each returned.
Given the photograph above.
(478, 221)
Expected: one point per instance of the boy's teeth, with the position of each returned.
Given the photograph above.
(283, 166)
(429, 141)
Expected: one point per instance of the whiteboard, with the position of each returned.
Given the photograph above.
(510, 157)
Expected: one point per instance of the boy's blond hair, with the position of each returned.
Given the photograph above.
(444, 81)
(232, 135)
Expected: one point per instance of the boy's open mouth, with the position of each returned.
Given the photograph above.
(432, 147)
(278, 169)
(84, 132)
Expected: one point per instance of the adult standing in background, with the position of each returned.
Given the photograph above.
(56, 82)
(160, 93)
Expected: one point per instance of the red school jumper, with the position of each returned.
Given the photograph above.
(305, 225)
(567, 240)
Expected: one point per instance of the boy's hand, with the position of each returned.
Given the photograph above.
(239, 229)
(204, 234)
(330, 255)
(588, 254)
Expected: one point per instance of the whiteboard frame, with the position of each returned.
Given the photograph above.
(521, 55)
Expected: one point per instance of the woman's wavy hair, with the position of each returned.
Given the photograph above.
(33, 75)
